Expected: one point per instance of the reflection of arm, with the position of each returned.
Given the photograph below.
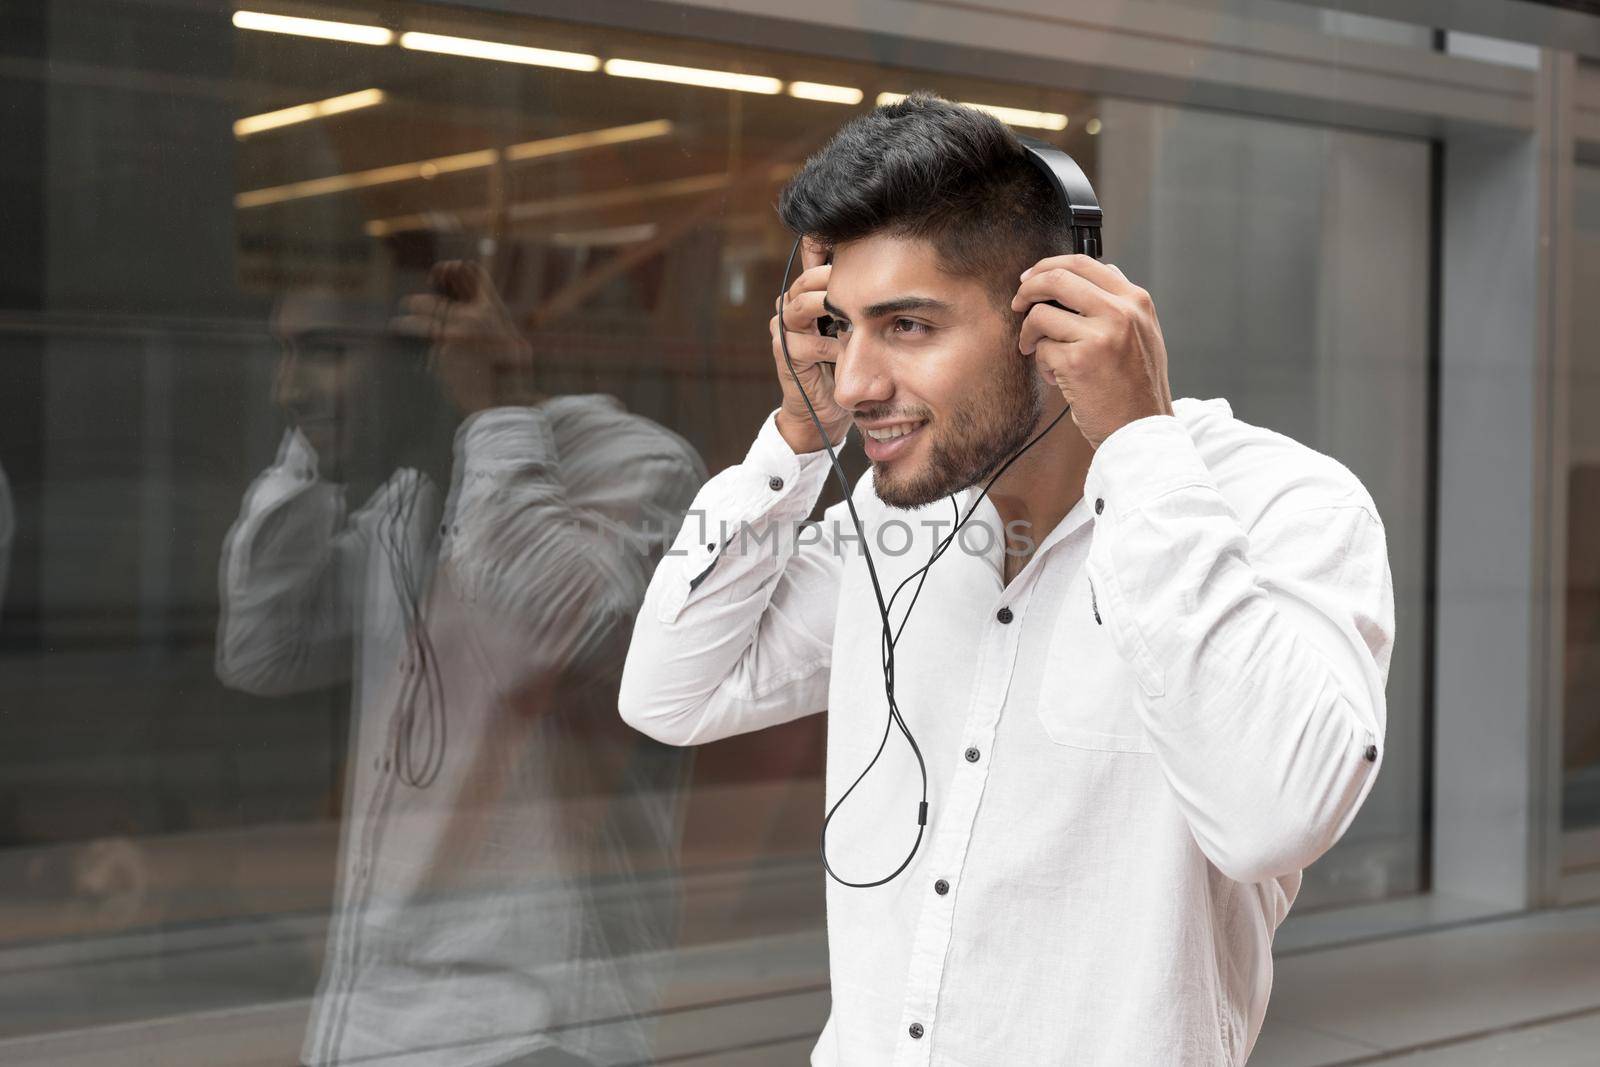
(560, 568)
(288, 581)
(1261, 654)
(8, 529)
(736, 636)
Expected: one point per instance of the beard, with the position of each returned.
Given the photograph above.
(967, 445)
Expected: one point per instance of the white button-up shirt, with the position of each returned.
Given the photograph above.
(1132, 749)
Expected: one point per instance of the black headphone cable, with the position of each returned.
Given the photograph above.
(890, 636)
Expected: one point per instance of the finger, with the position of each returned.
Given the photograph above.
(801, 313)
(1048, 323)
(813, 279)
(1104, 275)
(813, 253)
(1070, 288)
(456, 279)
(414, 325)
(423, 304)
(439, 276)
(808, 349)
(474, 284)
(1051, 357)
(804, 349)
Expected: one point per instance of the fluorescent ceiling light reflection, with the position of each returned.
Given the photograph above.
(576, 142)
(498, 51)
(361, 179)
(432, 168)
(833, 94)
(351, 32)
(710, 79)
(1015, 116)
(1092, 127)
(1011, 116)
(317, 109)
(607, 237)
(529, 210)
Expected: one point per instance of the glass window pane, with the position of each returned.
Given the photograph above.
(1581, 744)
(305, 753)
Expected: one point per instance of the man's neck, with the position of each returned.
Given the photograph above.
(1035, 494)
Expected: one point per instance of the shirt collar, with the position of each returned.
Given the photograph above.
(1076, 517)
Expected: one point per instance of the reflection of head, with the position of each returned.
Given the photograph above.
(930, 169)
(932, 199)
(361, 394)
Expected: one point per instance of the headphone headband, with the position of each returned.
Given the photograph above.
(1072, 186)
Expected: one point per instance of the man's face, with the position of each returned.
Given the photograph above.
(326, 364)
(930, 369)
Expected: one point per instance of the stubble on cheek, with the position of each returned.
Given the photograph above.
(973, 439)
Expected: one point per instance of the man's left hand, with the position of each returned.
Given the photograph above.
(477, 353)
(1106, 355)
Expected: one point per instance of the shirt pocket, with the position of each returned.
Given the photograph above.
(1088, 697)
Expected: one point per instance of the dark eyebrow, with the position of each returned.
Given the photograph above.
(892, 307)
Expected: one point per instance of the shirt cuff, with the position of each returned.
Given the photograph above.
(294, 469)
(496, 438)
(771, 456)
(773, 485)
(1141, 461)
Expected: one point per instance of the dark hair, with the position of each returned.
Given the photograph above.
(931, 169)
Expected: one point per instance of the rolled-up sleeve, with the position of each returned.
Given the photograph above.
(737, 625)
(1261, 654)
(558, 571)
(289, 579)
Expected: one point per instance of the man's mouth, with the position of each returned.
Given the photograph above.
(885, 441)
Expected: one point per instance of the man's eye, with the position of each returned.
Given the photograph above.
(913, 325)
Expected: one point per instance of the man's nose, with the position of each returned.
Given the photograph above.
(861, 377)
(287, 389)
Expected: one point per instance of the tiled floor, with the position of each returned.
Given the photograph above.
(1521, 991)
(1517, 991)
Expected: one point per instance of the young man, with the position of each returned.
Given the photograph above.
(1147, 696)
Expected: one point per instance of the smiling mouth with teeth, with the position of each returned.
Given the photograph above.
(889, 433)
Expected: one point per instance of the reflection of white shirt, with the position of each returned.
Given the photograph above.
(489, 911)
(1133, 748)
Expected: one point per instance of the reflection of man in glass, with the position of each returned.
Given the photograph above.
(499, 817)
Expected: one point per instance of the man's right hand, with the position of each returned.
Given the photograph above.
(813, 353)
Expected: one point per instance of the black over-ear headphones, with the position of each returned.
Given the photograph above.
(1077, 198)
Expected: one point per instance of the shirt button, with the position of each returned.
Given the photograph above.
(1371, 754)
(1099, 505)
(1004, 615)
(712, 547)
(972, 755)
(916, 1030)
(774, 483)
(941, 887)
